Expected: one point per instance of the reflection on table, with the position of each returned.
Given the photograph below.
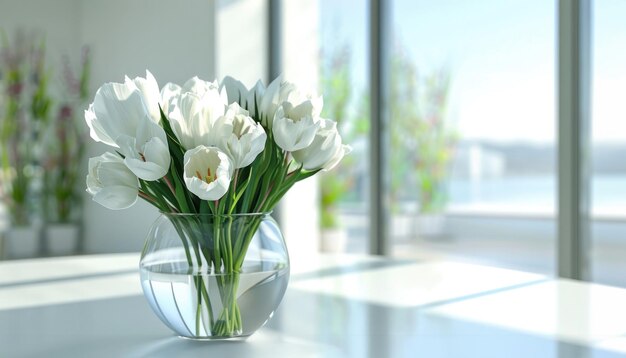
(336, 306)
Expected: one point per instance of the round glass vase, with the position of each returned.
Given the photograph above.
(214, 276)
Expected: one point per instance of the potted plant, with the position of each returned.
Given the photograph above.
(435, 142)
(336, 84)
(26, 106)
(334, 237)
(422, 143)
(66, 148)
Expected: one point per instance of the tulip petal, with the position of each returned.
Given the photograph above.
(145, 170)
(96, 131)
(115, 174)
(293, 135)
(116, 197)
(149, 89)
(169, 95)
(345, 150)
(156, 151)
(111, 183)
(149, 160)
(118, 109)
(193, 118)
(148, 130)
(325, 150)
(253, 100)
(235, 90)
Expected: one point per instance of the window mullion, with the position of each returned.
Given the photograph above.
(574, 84)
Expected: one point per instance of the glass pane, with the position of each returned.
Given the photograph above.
(609, 142)
(344, 84)
(473, 131)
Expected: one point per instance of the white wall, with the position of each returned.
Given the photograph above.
(175, 40)
(49, 18)
(241, 40)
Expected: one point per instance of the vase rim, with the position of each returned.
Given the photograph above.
(264, 213)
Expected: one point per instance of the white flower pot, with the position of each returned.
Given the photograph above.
(22, 242)
(334, 240)
(430, 225)
(61, 239)
(402, 226)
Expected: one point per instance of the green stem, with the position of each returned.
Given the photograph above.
(199, 300)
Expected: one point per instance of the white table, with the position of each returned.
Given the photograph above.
(336, 306)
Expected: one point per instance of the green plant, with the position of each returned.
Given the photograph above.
(66, 147)
(436, 142)
(35, 146)
(336, 84)
(25, 113)
(422, 140)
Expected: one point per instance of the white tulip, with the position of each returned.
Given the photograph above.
(119, 117)
(149, 89)
(146, 153)
(193, 118)
(111, 183)
(253, 101)
(96, 129)
(342, 152)
(273, 97)
(235, 90)
(296, 97)
(324, 149)
(201, 87)
(207, 172)
(294, 127)
(248, 99)
(117, 109)
(241, 137)
(169, 93)
(277, 93)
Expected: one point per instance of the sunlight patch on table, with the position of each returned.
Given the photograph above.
(53, 268)
(564, 309)
(313, 263)
(617, 344)
(69, 291)
(416, 284)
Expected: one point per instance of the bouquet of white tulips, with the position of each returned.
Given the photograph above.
(211, 148)
(199, 147)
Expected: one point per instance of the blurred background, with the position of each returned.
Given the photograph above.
(472, 120)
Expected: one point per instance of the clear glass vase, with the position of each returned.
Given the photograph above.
(214, 277)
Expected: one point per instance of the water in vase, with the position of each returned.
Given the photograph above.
(201, 305)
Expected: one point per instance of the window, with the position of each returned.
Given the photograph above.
(343, 81)
(473, 131)
(609, 142)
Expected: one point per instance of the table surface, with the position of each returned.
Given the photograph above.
(335, 306)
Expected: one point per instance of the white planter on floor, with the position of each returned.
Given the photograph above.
(334, 240)
(402, 226)
(61, 239)
(22, 242)
(430, 225)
